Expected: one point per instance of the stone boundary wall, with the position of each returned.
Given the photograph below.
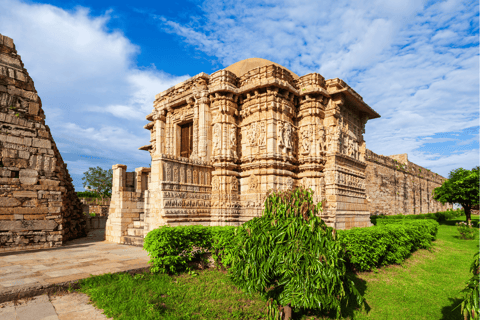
(38, 204)
(94, 205)
(395, 185)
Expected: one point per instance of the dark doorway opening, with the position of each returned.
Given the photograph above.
(186, 142)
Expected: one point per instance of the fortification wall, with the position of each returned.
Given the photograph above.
(38, 204)
(395, 185)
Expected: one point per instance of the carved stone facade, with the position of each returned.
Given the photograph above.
(38, 204)
(257, 126)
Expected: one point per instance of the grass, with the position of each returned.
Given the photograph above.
(426, 286)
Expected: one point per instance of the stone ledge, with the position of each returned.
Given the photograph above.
(28, 291)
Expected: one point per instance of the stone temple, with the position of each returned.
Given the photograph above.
(218, 142)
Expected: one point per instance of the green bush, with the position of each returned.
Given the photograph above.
(223, 245)
(291, 257)
(437, 216)
(87, 194)
(390, 242)
(171, 248)
(466, 232)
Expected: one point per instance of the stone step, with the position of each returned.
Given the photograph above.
(133, 241)
(135, 232)
(138, 224)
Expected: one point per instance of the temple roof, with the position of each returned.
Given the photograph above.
(241, 67)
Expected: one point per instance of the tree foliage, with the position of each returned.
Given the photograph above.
(461, 187)
(291, 257)
(98, 181)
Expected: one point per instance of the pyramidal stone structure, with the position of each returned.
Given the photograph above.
(219, 142)
(38, 204)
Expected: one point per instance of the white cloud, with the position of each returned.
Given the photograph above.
(84, 74)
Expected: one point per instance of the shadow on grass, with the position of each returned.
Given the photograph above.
(348, 307)
(448, 312)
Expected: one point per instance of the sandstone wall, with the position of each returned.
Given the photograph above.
(38, 204)
(396, 185)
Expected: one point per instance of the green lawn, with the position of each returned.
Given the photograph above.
(426, 287)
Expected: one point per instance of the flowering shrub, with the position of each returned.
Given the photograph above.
(466, 231)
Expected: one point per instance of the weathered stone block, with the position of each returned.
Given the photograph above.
(28, 176)
(24, 194)
(9, 202)
(15, 226)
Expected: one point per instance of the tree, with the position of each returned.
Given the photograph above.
(291, 257)
(461, 187)
(98, 181)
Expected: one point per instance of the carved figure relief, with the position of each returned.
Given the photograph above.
(195, 177)
(175, 174)
(207, 178)
(252, 134)
(262, 138)
(306, 139)
(215, 183)
(322, 140)
(168, 170)
(189, 175)
(280, 139)
(216, 137)
(234, 183)
(182, 175)
(252, 183)
(200, 177)
(233, 141)
(288, 135)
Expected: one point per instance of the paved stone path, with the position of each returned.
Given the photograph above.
(29, 279)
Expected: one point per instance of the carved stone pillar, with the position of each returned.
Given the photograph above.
(203, 115)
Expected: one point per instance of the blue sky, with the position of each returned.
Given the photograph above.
(97, 66)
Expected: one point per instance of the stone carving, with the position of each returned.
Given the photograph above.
(322, 140)
(262, 138)
(215, 183)
(234, 184)
(289, 184)
(280, 138)
(306, 139)
(200, 177)
(207, 178)
(182, 175)
(189, 175)
(175, 174)
(252, 134)
(252, 183)
(217, 137)
(233, 141)
(195, 177)
(288, 135)
(168, 170)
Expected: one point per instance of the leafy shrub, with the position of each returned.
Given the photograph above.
(87, 194)
(223, 245)
(390, 242)
(437, 216)
(291, 257)
(466, 231)
(469, 305)
(171, 248)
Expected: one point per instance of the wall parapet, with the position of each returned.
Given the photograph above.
(408, 167)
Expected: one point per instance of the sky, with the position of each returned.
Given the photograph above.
(97, 66)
